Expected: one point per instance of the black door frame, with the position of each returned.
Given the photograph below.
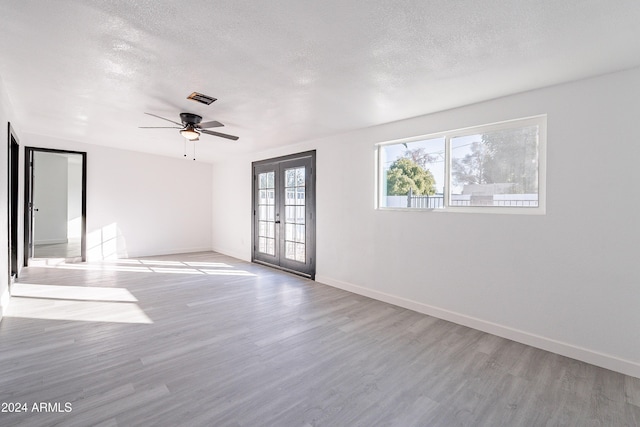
(309, 269)
(28, 199)
(12, 201)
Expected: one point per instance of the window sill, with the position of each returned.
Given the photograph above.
(475, 210)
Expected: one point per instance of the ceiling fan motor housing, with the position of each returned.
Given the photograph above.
(188, 118)
(192, 126)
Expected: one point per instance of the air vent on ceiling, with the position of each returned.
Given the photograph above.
(201, 98)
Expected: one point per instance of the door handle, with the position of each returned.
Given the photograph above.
(277, 221)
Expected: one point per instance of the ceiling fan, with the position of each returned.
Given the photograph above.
(192, 126)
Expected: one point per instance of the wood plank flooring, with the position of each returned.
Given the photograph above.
(71, 250)
(207, 340)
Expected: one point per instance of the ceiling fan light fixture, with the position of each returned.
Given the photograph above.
(190, 133)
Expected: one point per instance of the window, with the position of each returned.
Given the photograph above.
(491, 168)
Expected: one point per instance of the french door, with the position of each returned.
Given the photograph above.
(283, 227)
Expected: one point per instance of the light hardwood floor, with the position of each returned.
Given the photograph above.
(70, 250)
(207, 340)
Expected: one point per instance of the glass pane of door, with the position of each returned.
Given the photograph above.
(295, 222)
(266, 213)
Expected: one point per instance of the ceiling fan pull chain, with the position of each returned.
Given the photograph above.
(185, 148)
(194, 150)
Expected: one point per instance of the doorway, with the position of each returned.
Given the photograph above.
(283, 226)
(13, 158)
(55, 204)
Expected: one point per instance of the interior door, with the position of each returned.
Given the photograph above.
(13, 205)
(29, 207)
(284, 213)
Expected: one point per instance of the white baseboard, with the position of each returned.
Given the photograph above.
(233, 254)
(4, 302)
(159, 252)
(596, 358)
(50, 241)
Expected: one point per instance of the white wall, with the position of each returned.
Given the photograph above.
(141, 204)
(232, 205)
(50, 198)
(567, 281)
(6, 115)
(74, 196)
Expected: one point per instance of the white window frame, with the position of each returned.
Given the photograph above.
(540, 121)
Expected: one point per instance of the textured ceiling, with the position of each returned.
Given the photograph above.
(286, 71)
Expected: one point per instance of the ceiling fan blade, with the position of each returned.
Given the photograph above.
(149, 114)
(159, 127)
(211, 124)
(222, 135)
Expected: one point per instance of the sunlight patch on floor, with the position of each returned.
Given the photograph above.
(84, 293)
(85, 311)
(228, 272)
(150, 266)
